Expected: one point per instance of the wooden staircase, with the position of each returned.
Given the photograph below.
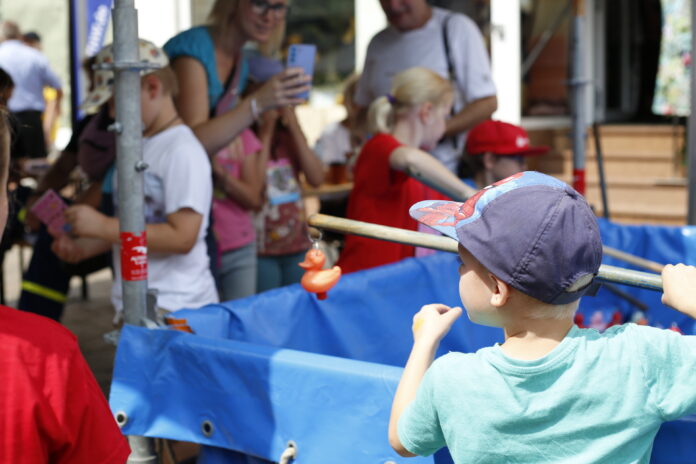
(642, 166)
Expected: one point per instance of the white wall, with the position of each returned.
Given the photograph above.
(160, 20)
(370, 20)
(506, 59)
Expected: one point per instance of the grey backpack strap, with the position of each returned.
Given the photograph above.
(445, 45)
(450, 70)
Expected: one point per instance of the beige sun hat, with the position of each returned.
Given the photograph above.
(104, 78)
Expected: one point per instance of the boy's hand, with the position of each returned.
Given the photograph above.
(679, 285)
(85, 221)
(66, 249)
(433, 322)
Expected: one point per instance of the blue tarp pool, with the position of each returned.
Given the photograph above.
(283, 366)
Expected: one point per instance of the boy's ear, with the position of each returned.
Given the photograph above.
(500, 291)
(152, 85)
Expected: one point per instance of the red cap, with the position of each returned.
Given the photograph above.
(500, 138)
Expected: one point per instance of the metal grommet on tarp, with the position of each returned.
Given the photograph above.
(289, 454)
(207, 428)
(121, 418)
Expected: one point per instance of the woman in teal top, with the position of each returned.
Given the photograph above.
(211, 68)
(208, 62)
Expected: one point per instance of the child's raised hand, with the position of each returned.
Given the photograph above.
(679, 285)
(433, 322)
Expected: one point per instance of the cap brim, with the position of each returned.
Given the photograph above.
(96, 98)
(533, 151)
(438, 215)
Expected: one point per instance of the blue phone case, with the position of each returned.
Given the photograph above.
(302, 56)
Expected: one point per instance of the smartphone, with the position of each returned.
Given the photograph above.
(49, 209)
(302, 56)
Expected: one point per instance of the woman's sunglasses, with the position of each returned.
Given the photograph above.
(261, 7)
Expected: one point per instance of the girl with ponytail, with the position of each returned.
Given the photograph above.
(394, 169)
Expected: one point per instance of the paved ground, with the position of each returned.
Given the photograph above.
(88, 319)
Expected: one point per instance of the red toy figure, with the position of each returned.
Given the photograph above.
(317, 279)
(676, 328)
(580, 320)
(616, 319)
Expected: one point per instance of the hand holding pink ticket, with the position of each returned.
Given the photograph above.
(50, 209)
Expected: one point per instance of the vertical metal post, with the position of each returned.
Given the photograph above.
(691, 134)
(130, 179)
(600, 169)
(129, 148)
(76, 41)
(577, 85)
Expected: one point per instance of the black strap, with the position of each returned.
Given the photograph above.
(445, 42)
(452, 76)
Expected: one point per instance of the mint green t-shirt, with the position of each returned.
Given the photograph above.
(594, 398)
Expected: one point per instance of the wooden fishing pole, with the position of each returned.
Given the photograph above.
(632, 259)
(439, 242)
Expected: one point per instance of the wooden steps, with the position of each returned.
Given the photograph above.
(642, 166)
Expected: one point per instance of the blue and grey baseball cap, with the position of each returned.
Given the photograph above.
(531, 230)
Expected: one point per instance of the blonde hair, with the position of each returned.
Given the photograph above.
(543, 310)
(410, 88)
(221, 18)
(349, 87)
(166, 75)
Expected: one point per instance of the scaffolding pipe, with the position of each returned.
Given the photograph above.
(128, 127)
(600, 169)
(129, 166)
(577, 85)
(691, 134)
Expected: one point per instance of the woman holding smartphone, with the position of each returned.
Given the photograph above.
(211, 69)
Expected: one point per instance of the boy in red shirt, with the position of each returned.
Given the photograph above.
(52, 408)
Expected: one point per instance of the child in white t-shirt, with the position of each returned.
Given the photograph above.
(178, 194)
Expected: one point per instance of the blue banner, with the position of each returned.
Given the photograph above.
(89, 20)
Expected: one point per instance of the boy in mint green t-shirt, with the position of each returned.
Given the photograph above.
(552, 392)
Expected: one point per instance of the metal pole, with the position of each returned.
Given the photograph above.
(600, 169)
(577, 85)
(691, 215)
(128, 127)
(76, 41)
(129, 153)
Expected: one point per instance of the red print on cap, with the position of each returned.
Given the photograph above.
(449, 214)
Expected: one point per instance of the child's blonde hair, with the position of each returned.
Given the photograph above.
(349, 86)
(221, 18)
(549, 311)
(166, 75)
(410, 88)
